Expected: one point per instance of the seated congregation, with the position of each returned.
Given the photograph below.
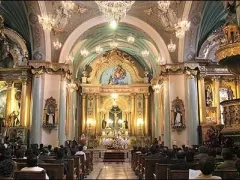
(160, 162)
(45, 162)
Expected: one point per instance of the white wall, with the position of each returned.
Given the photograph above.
(177, 88)
(51, 89)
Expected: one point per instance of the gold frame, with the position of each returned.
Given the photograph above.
(50, 101)
(178, 103)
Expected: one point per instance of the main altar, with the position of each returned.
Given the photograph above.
(115, 95)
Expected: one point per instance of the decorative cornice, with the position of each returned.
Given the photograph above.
(192, 74)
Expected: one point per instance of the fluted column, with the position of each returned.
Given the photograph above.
(84, 113)
(202, 98)
(146, 120)
(62, 111)
(216, 99)
(157, 131)
(192, 120)
(9, 102)
(23, 113)
(133, 120)
(37, 109)
(167, 127)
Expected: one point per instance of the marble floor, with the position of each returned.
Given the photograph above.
(112, 171)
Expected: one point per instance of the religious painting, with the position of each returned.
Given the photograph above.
(116, 75)
(178, 114)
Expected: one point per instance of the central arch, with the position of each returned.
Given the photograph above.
(73, 37)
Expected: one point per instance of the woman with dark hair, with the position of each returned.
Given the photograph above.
(7, 168)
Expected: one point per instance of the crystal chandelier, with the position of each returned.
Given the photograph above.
(46, 21)
(145, 53)
(163, 5)
(68, 5)
(130, 39)
(99, 49)
(84, 52)
(113, 44)
(181, 27)
(114, 11)
(171, 47)
(57, 45)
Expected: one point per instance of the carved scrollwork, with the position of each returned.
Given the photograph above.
(178, 114)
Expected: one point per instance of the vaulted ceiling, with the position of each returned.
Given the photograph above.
(208, 17)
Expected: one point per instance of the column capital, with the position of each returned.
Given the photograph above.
(37, 72)
(202, 76)
(146, 95)
(97, 95)
(9, 83)
(216, 78)
(84, 95)
(237, 80)
(191, 74)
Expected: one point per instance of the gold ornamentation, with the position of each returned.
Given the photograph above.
(191, 74)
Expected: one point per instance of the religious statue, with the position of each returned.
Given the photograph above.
(50, 119)
(13, 119)
(208, 93)
(177, 116)
(126, 124)
(230, 93)
(117, 76)
(104, 123)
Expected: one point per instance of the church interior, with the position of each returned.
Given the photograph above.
(121, 79)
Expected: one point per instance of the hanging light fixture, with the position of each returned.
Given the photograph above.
(99, 49)
(130, 39)
(84, 52)
(181, 27)
(57, 45)
(163, 6)
(114, 11)
(46, 21)
(68, 5)
(145, 53)
(113, 44)
(171, 47)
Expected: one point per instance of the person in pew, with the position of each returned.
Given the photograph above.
(181, 163)
(219, 153)
(7, 168)
(206, 166)
(32, 165)
(228, 163)
(190, 156)
(59, 159)
(45, 155)
(170, 157)
(203, 152)
(80, 152)
(212, 152)
(20, 154)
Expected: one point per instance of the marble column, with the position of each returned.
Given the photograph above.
(62, 111)
(23, 113)
(202, 98)
(74, 106)
(216, 98)
(157, 128)
(167, 120)
(37, 109)
(133, 120)
(146, 120)
(98, 118)
(84, 113)
(192, 120)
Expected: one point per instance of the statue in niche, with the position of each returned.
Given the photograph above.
(177, 116)
(230, 93)
(50, 119)
(104, 124)
(126, 124)
(209, 97)
(13, 119)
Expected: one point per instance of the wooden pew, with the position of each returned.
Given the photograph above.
(70, 173)
(161, 171)
(227, 174)
(178, 174)
(134, 161)
(29, 175)
(81, 167)
(142, 166)
(87, 162)
(150, 162)
(54, 171)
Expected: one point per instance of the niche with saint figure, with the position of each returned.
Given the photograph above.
(178, 114)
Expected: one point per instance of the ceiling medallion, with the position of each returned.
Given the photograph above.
(171, 47)
(163, 6)
(114, 11)
(46, 21)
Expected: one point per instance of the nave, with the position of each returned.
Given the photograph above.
(112, 170)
